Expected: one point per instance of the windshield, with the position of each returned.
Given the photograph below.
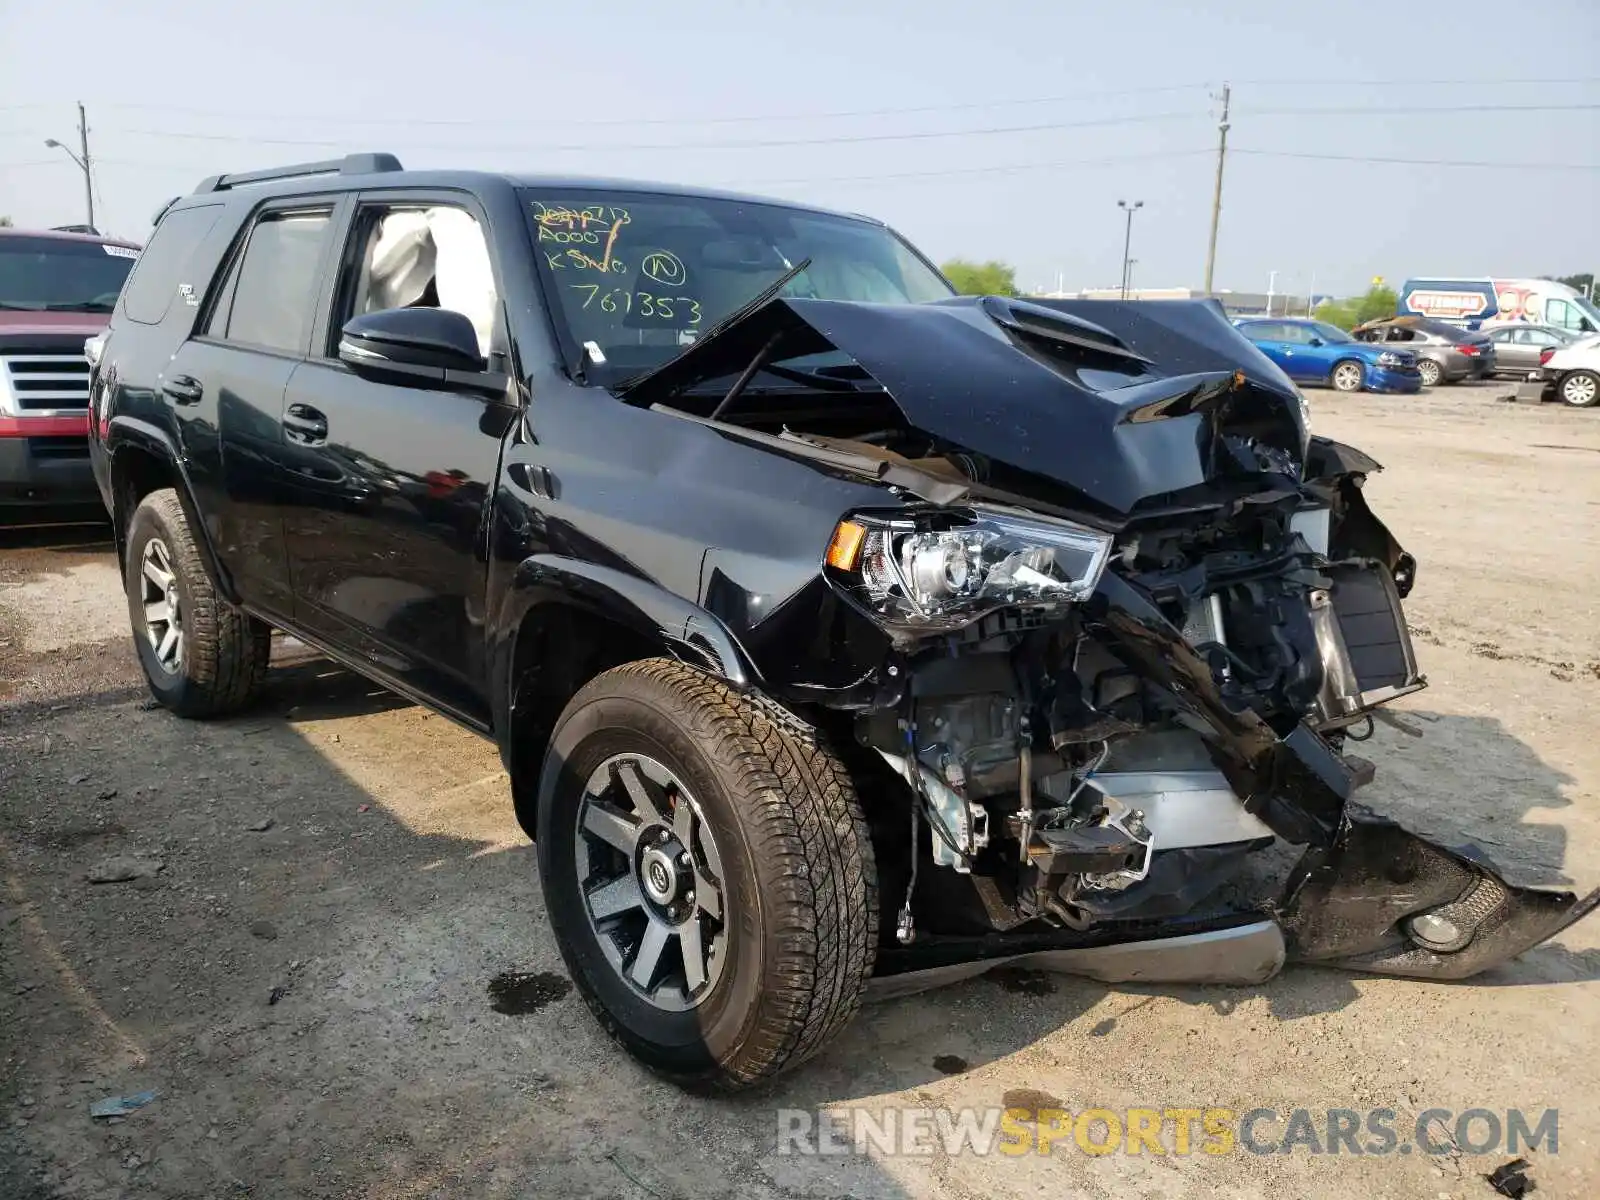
(1330, 333)
(46, 274)
(635, 277)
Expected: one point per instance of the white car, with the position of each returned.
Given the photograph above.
(1574, 371)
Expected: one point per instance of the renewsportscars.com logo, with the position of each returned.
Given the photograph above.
(1163, 1131)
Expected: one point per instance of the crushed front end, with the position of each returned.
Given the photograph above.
(1134, 617)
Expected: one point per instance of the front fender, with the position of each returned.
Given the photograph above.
(637, 604)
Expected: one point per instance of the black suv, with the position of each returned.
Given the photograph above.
(795, 589)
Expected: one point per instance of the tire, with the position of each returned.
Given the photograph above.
(798, 888)
(1432, 373)
(1580, 389)
(218, 660)
(1348, 376)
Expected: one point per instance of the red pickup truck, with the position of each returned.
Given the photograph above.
(57, 289)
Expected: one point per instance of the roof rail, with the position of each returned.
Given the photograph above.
(350, 164)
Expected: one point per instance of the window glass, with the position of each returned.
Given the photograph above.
(432, 256)
(165, 261)
(1299, 335)
(276, 289)
(1559, 312)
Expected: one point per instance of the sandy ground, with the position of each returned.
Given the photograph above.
(310, 1001)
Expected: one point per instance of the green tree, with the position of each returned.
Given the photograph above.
(5, 222)
(1379, 302)
(981, 279)
(1583, 282)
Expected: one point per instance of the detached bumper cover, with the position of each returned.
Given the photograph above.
(1349, 905)
(1382, 379)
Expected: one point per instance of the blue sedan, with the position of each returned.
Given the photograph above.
(1316, 352)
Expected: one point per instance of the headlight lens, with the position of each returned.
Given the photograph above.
(916, 575)
(1389, 359)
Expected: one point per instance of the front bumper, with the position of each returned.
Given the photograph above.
(1365, 887)
(44, 463)
(1387, 379)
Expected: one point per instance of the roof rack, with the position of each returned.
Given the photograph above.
(350, 164)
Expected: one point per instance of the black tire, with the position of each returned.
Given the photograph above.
(224, 652)
(1432, 373)
(1345, 380)
(1580, 389)
(800, 901)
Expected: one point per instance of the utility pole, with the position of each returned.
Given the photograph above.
(1127, 239)
(82, 159)
(1216, 198)
(1272, 287)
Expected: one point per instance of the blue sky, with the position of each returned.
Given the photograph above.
(1080, 103)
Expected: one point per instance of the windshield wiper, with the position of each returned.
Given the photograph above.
(12, 306)
(733, 318)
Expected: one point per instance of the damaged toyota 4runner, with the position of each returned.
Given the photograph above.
(837, 633)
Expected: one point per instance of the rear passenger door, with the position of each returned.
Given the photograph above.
(390, 482)
(255, 327)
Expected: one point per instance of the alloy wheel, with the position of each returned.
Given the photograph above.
(1429, 370)
(163, 614)
(1347, 377)
(651, 881)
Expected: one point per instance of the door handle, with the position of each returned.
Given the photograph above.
(184, 389)
(304, 425)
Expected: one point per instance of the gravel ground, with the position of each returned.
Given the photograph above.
(305, 982)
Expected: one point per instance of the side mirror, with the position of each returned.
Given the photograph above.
(423, 346)
(1316, 341)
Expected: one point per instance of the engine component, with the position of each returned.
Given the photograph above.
(1184, 808)
(1130, 823)
(960, 829)
(1086, 850)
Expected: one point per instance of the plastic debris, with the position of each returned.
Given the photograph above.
(1512, 1179)
(116, 1106)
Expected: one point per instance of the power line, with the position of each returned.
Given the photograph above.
(1388, 110)
(636, 121)
(747, 144)
(838, 114)
(1422, 162)
(1002, 168)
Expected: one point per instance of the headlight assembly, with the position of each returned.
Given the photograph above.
(945, 570)
(1389, 359)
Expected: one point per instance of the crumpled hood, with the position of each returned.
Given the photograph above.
(1134, 404)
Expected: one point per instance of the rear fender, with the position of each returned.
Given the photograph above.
(127, 438)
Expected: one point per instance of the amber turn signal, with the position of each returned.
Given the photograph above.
(844, 551)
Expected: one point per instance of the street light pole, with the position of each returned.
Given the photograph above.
(82, 159)
(1127, 238)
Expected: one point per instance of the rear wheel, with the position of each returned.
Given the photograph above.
(708, 874)
(1581, 389)
(1430, 371)
(201, 656)
(1348, 376)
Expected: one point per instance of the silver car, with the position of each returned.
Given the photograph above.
(1517, 345)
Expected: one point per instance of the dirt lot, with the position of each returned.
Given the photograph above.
(305, 984)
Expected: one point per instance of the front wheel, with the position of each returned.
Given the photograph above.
(201, 656)
(1581, 389)
(1430, 371)
(708, 874)
(1348, 376)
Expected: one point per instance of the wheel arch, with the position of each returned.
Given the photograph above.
(142, 459)
(567, 621)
